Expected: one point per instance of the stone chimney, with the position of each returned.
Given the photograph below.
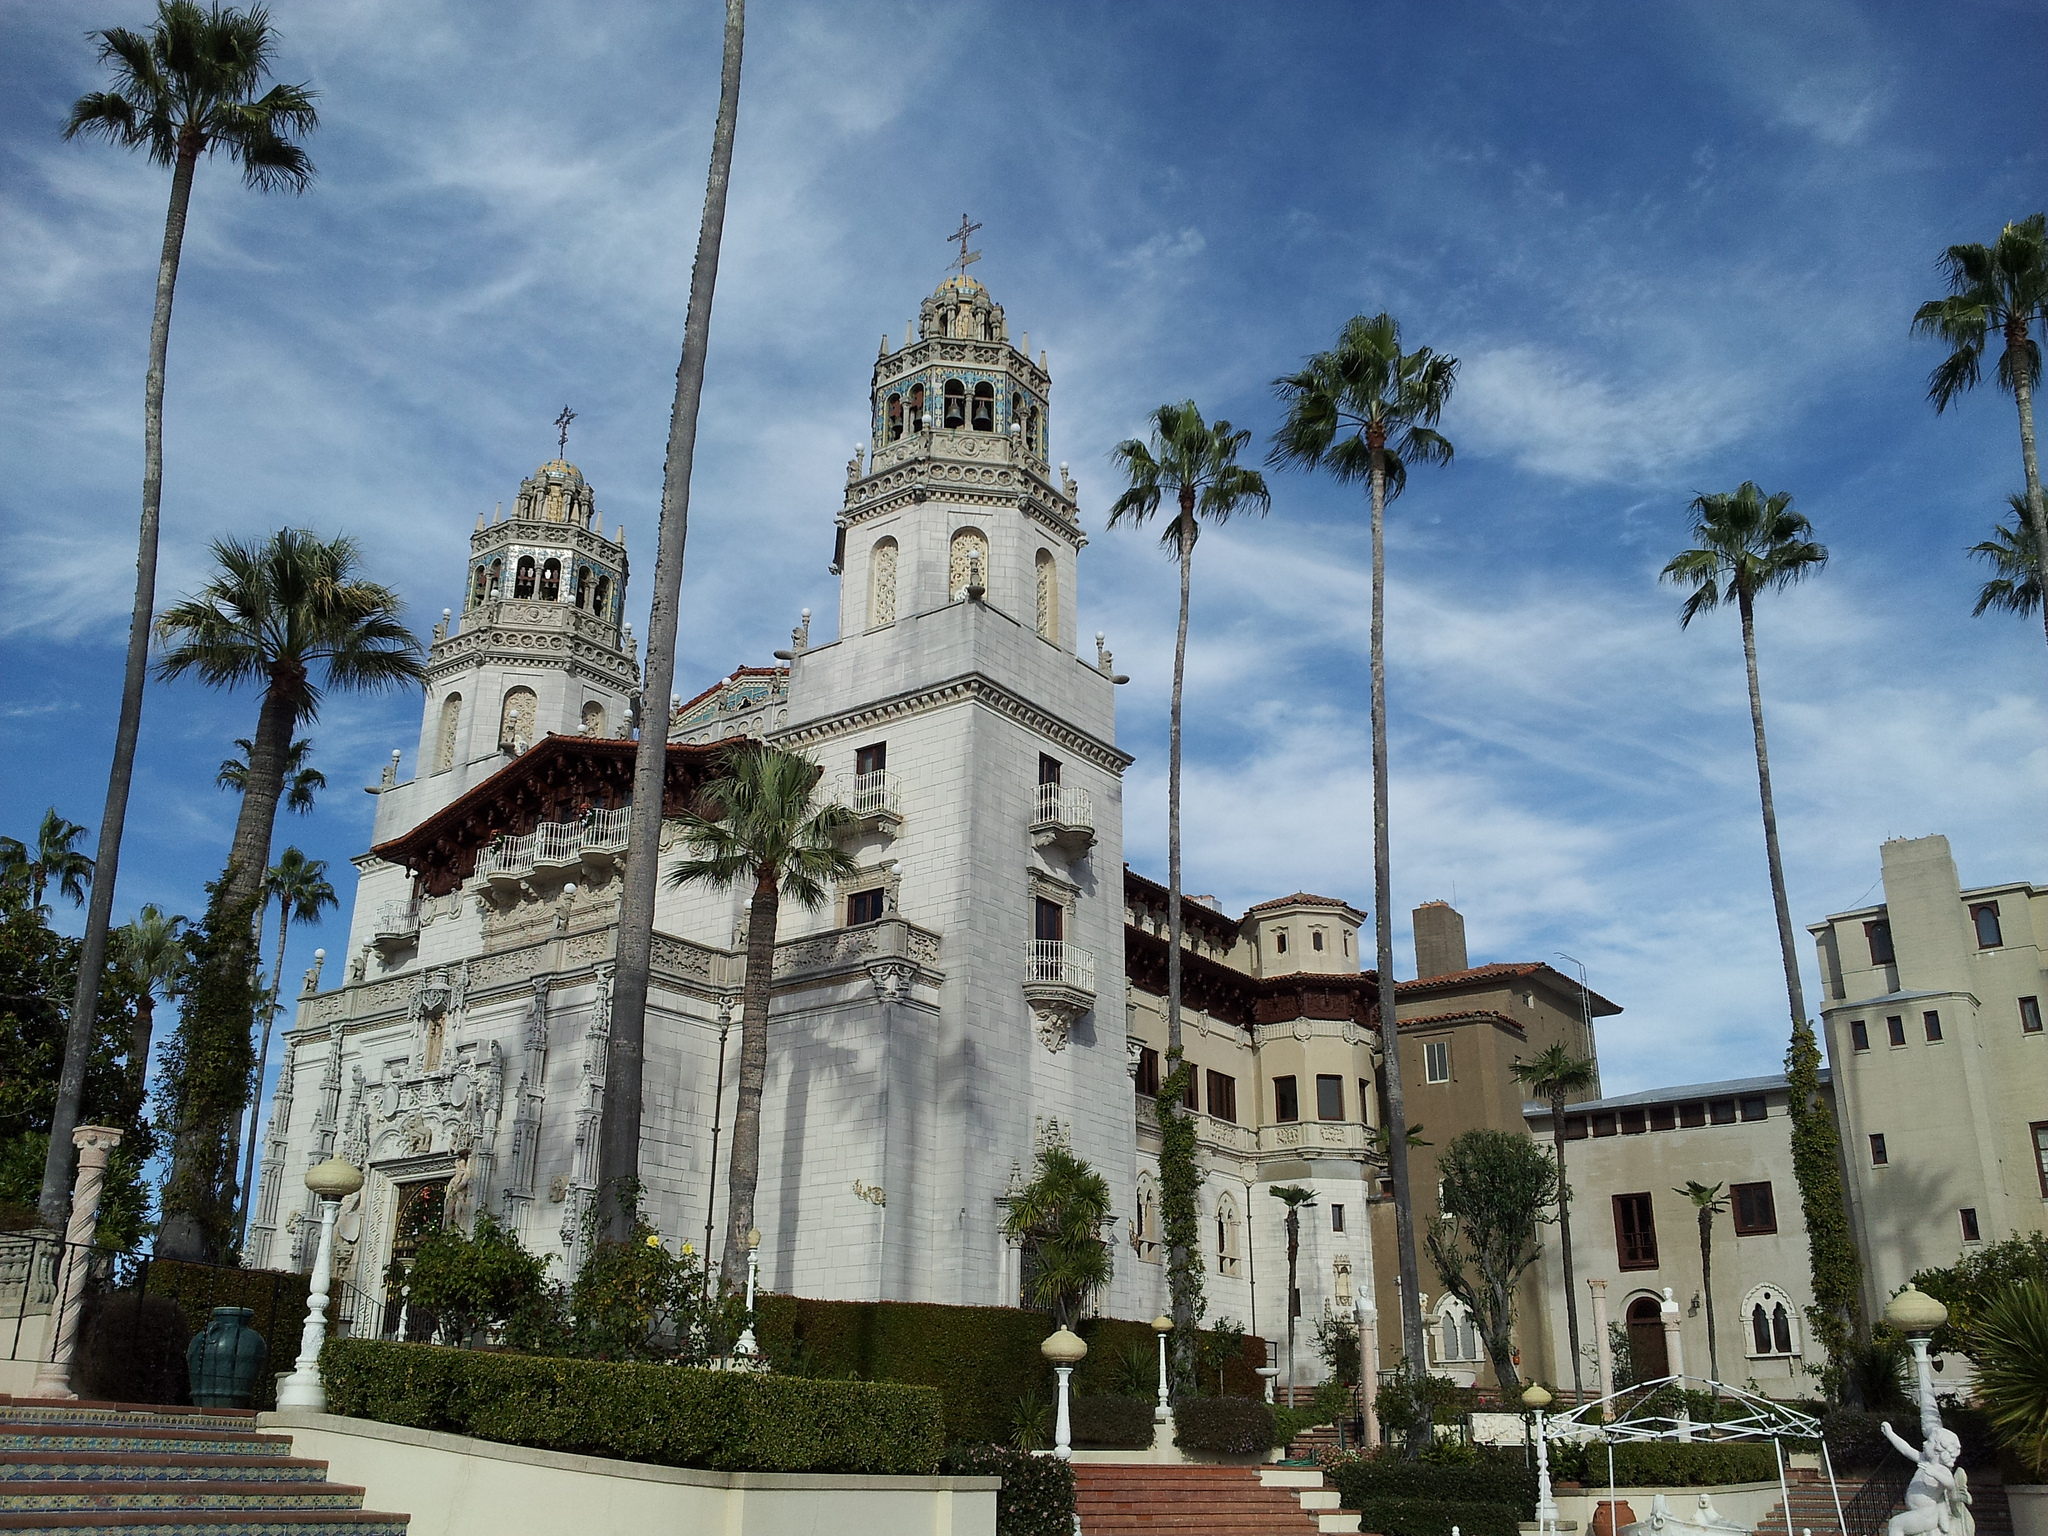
(1439, 940)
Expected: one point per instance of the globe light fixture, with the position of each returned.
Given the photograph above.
(330, 1183)
(1162, 1325)
(1065, 1349)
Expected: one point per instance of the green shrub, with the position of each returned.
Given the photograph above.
(1113, 1423)
(1237, 1425)
(131, 1349)
(2012, 1372)
(1289, 1424)
(1667, 1464)
(1037, 1497)
(1489, 1481)
(474, 1282)
(672, 1415)
(1435, 1517)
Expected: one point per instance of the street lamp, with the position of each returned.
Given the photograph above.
(1065, 1349)
(1916, 1314)
(747, 1345)
(1535, 1399)
(1162, 1325)
(331, 1183)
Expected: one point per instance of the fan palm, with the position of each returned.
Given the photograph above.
(1059, 1218)
(301, 890)
(55, 859)
(1708, 1203)
(619, 1130)
(1555, 1074)
(764, 828)
(301, 780)
(1194, 462)
(149, 950)
(1365, 411)
(1295, 1197)
(184, 90)
(2012, 1373)
(2000, 287)
(2011, 551)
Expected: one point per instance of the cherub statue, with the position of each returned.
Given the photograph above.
(1938, 1497)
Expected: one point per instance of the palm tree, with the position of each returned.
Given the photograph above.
(2011, 552)
(1707, 1201)
(619, 1130)
(2001, 287)
(182, 91)
(149, 950)
(1195, 461)
(1366, 410)
(55, 859)
(276, 614)
(1058, 1217)
(766, 828)
(1294, 1197)
(1554, 1073)
(301, 780)
(300, 888)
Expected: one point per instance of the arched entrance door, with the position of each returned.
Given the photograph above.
(1646, 1339)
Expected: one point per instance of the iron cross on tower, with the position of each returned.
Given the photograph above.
(966, 258)
(562, 430)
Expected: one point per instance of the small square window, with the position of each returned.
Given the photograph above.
(1879, 934)
(1286, 1102)
(1931, 1022)
(1690, 1115)
(1984, 918)
(1878, 1156)
(1970, 1233)
(1663, 1117)
(1575, 1128)
(1603, 1125)
(1859, 1035)
(863, 907)
(1336, 1218)
(1632, 1122)
(1755, 1211)
(1723, 1111)
(2030, 1015)
(1754, 1108)
(1436, 1061)
(1329, 1098)
(1895, 1029)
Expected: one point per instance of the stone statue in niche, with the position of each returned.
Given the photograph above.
(415, 1136)
(457, 1205)
(436, 1029)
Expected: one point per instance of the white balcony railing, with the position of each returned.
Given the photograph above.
(599, 836)
(869, 794)
(398, 922)
(558, 842)
(605, 831)
(1055, 963)
(1061, 806)
(508, 857)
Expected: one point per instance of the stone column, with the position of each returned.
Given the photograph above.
(94, 1142)
(1674, 1356)
(1603, 1345)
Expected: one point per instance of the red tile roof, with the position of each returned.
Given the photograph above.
(1302, 899)
(1525, 970)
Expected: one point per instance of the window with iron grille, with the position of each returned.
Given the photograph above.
(1635, 1231)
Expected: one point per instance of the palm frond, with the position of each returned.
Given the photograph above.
(2013, 555)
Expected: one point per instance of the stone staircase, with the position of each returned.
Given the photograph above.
(1198, 1500)
(158, 1471)
(1813, 1507)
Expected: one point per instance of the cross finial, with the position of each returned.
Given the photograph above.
(562, 430)
(966, 258)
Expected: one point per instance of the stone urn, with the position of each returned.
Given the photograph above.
(227, 1360)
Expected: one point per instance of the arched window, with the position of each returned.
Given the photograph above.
(1457, 1336)
(1147, 1234)
(522, 578)
(893, 417)
(497, 578)
(1048, 597)
(1985, 917)
(483, 582)
(1016, 405)
(516, 720)
(1646, 1339)
(882, 584)
(1769, 1316)
(967, 563)
(984, 407)
(551, 581)
(593, 719)
(956, 404)
(582, 585)
(451, 718)
(917, 407)
(601, 606)
(1229, 1235)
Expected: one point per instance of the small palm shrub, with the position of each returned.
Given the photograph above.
(2012, 1373)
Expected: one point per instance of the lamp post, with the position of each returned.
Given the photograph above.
(1916, 1314)
(1535, 1399)
(747, 1344)
(1162, 1325)
(331, 1183)
(1065, 1349)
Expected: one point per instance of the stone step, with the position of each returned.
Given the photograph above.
(49, 1410)
(115, 1466)
(183, 1496)
(140, 1437)
(258, 1522)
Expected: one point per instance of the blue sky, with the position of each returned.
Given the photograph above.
(1674, 247)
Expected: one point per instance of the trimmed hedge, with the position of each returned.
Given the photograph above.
(1672, 1464)
(729, 1421)
(1113, 1423)
(1037, 1497)
(1435, 1517)
(1364, 1479)
(1235, 1425)
(131, 1349)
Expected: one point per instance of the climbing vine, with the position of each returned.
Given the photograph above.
(1180, 1219)
(1836, 1316)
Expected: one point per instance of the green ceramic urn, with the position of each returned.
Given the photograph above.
(226, 1361)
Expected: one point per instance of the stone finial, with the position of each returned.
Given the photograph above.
(885, 345)
(853, 465)
(390, 778)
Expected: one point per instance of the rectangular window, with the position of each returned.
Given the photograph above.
(1754, 1108)
(1931, 1022)
(1280, 941)
(2039, 1131)
(871, 759)
(1984, 918)
(1969, 1215)
(1049, 921)
(1575, 1128)
(1364, 1099)
(1329, 1098)
(1879, 934)
(1223, 1097)
(1286, 1103)
(1048, 769)
(1859, 1035)
(1895, 1029)
(1315, 939)
(1436, 1061)
(1192, 1094)
(1755, 1212)
(1723, 1111)
(863, 907)
(1148, 1072)
(1336, 1218)
(1603, 1125)
(1878, 1156)
(1690, 1115)
(1632, 1122)
(2030, 1015)
(1663, 1117)
(1635, 1231)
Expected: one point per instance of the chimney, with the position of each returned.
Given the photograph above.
(1439, 940)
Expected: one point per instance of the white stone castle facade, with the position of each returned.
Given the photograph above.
(963, 1001)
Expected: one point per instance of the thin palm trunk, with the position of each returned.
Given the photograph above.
(1707, 1290)
(1383, 934)
(619, 1137)
(1293, 1281)
(1564, 1237)
(1795, 993)
(284, 919)
(140, 1034)
(1177, 1257)
(744, 1164)
(256, 825)
(2037, 516)
(55, 1200)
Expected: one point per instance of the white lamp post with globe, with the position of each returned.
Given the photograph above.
(331, 1183)
(1065, 1349)
(1535, 1399)
(1162, 1325)
(1916, 1314)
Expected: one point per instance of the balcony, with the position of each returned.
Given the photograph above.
(1063, 817)
(397, 925)
(1059, 985)
(874, 800)
(599, 839)
(507, 861)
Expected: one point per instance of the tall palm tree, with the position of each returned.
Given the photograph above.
(301, 780)
(1058, 1217)
(184, 90)
(2000, 287)
(619, 1130)
(765, 828)
(1295, 1197)
(1554, 1073)
(301, 890)
(1707, 1202)
(54, 859)
(1196, 463)
(149, 950)
(2012, 553)
(1366, 410)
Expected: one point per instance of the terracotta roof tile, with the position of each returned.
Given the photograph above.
(1301, 899)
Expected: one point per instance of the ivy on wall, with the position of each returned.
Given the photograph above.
(1836, 1316)
(1180, 1219)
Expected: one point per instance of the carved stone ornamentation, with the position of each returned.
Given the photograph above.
(892, 979)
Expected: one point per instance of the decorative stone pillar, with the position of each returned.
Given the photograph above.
(1674, 1356)
(1603, 1344)
(94, 1142)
